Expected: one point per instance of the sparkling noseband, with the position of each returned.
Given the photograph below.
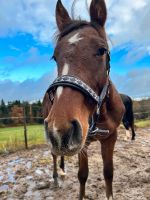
(73, 82)
(76, 83)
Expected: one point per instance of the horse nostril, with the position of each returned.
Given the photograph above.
(74, 135)
(76, 132)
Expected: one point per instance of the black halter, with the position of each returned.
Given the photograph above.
(76, 83)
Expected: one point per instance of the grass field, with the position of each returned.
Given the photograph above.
(12, 138)
(142, 123)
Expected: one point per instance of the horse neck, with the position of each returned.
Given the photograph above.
(112, 109)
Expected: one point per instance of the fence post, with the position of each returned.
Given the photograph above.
(30, 114)
(25, 128)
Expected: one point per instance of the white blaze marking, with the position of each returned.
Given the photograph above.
(65, 69)
(59, 91)
(64, 72)
(75, 39)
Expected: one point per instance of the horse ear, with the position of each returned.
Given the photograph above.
(98, 12)
(62, 16)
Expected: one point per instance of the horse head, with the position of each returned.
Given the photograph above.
(81, 55)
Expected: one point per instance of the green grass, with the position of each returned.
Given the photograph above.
(12, 138)
(142, 123)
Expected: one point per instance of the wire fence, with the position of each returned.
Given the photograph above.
(142, 115)
(22, 135)
(26, 131)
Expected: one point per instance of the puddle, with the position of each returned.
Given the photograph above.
(10, 175)
(16, 161)
(47, 153)
(39, 172)
(4, 188)
(29, 178)
(29, 175)
(29, 165)
(32, 193)
(1, 178)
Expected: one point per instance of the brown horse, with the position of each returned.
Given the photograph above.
(82, 105)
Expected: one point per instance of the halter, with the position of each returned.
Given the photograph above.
(76, 83)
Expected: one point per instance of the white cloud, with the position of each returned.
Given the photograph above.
(135, 83)
(28, 16)
(24, 65)
(127, 20)
(14, 48)
(128, 27)
(27, 90)
(148, 49)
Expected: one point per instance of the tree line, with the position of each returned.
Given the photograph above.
(14, 113)
(142, 108)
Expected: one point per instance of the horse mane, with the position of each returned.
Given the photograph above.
(75, 25)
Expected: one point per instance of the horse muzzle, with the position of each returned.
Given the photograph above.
(65, 142)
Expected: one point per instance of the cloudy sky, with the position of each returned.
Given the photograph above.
(26, 45)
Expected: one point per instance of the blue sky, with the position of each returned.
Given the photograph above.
(26, 46)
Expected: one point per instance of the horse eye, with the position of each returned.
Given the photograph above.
(53, 58)
(101, 51)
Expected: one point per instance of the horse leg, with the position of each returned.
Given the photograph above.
(83, 172)
(133, 132)
(62, 166)
(107, 148)
(55, 173)
(126, 125)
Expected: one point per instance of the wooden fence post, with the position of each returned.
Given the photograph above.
(25, 128)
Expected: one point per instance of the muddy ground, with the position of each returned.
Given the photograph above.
(27, 175)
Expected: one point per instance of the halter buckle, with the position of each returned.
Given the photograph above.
(98, 132)
(51, 96)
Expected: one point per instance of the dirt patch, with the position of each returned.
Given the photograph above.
(28, 174)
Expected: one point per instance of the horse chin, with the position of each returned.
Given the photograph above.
(66, 152)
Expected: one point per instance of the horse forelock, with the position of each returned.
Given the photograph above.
(79, 24)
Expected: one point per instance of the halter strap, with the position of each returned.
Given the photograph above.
(76, 83)
(73, 82)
